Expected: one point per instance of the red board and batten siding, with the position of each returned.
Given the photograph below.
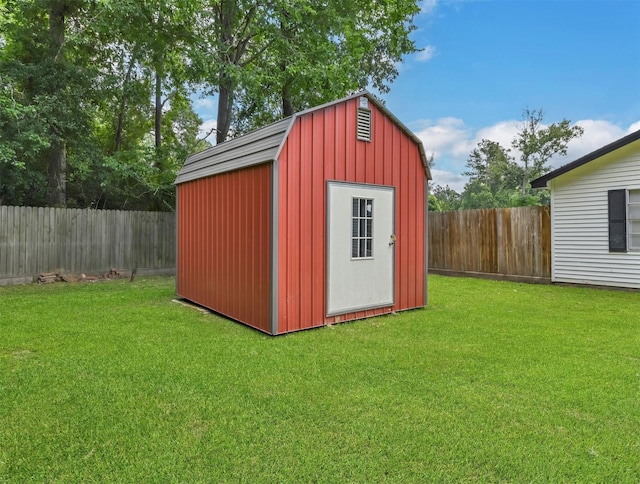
(224, 241)
(322, 146)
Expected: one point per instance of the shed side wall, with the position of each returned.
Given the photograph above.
(224, 225)
(322, 146)
(580, 230)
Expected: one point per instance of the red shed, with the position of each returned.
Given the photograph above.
(316, 219)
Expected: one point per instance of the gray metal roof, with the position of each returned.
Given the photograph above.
(264, 144)
(257, 147)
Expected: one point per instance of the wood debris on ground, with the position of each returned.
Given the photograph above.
(59, 276)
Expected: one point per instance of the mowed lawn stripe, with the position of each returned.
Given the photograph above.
(494, 381)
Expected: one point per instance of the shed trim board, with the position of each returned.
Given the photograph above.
(553, 243)
(300, 156)
(580, 251)
(426, 238)
(274, 248)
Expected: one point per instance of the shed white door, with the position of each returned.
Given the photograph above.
(360, 247)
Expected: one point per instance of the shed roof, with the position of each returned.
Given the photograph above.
(542, 182)
(264, 145)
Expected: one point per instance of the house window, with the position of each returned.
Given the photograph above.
(617, 220)
(362, 228)
(634, 219)
(624, 220)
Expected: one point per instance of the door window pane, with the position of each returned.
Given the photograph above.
(362, 228)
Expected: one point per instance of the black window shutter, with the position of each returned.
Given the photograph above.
(617, 220)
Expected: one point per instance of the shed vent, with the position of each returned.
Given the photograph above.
(364, 124)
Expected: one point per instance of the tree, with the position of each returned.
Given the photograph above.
(291, 55)
(21, 138)
(493, 176)
(95, 101)
(491, 164)
(154, 39)
(443, 199)
(147, 125)
(538, 144)
(44, 65)
(233, 37)
(498, 180)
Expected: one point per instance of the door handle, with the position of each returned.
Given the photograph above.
(392, 239)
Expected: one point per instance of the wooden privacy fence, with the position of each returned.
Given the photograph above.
(36, 240)
(513, 243)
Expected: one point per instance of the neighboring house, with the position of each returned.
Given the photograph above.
(313, 220)
(595, 210)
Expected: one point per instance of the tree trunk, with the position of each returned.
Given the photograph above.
(118, 138)
(225, 102)
(287, 103)
(287, 108)
(123, 106)
(57, 175)
(56, 29)
(525, 175)
(158, 120)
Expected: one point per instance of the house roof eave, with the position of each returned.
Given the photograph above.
(543, 181)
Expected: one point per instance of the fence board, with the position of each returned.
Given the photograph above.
(506, 242)
(36, 240)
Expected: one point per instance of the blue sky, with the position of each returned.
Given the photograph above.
(484, 61)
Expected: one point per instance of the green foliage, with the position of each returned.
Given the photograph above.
(492, 382)
(22, 139)
(537, 144)
(112, 88)
(434, 204)
(309, 52)
(493, 176)
(443, 199)
(47, 84)
(497, 180)
(95, 103)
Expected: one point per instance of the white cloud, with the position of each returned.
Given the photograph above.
(204, 103)
(597, 133)
(502, 132)
(426, 54)
(428, 6)
(451, 141)
(444, 136)
(634, 127)
(453, 180)
(208, 128)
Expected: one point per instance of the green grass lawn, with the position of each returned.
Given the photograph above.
(493, 382)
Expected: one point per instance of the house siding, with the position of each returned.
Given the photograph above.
(224, 241)
(322, 145)
(580, 225)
